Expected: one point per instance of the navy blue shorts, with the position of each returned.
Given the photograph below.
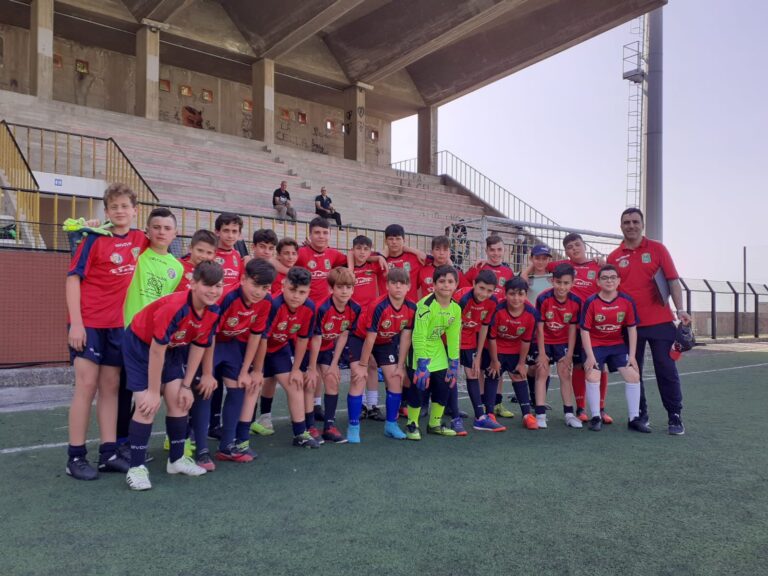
(325, 357)
(467, 357)
(281, 361)
(555, 353)
(136, 361)
(384, 354)
(508, 363)
(103, 346)
(228, 358)
(614, 357)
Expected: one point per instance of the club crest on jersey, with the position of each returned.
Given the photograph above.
(327, 264)
(567, 317)
(116, 258)
(549, 315)
(407, 267)
(295, 328)
(620, 317)
(591, 275)
(646, 257)
(600, 317)
(623, 263)
(135, 251)
(171, 273)
(219, 260)
(232, 322)
(502, 281)
(386, 324)
(520, 330)
(328, 326)
(428, 280)
(311, 264)
(282, 326)
(180, 335)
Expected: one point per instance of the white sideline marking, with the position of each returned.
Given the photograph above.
(19, 449)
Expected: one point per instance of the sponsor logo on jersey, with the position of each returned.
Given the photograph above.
(116, 258)
(608, 327)
(646, 258)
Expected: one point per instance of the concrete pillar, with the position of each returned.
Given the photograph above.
(354, 119)
(41, 49)
(654, 107)
(263, 95)
(427, 141)
(148, 73)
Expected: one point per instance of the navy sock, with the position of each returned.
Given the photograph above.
(393, 405)
(176, 429)
(309, 419)
(242, 432)
(78, 451)
(230, 415)
(567, 409)
(532, 388)
(299, 428)
(215, 401)
(541, 410)
(354, 409)
(107, 450)
(521, 391)
(473, 389)
(414, 396)
(138, 436)
(200, 416)
(266, 405)
(490, 398)
(331, 401)
(498, 398)
(453, 401)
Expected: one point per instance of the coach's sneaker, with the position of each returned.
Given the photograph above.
(137, 478)
(541, 420)
(392, 430)
(676, 427)
(487, 423)
(184, 465)
(572, 421)
(581, 414)
(605, 417)
(263, 425)
(638, 425)
(502, 412)
(441, 430)
(332, 434)
(113, 463)
(457, 425)
(412, 431)
(205, 461)
(596, 424)
(315, 433)
(80, 469)
(375, 414)
(353, 433)
(529, 422)
(305, 440)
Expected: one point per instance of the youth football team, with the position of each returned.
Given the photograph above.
(213, 334)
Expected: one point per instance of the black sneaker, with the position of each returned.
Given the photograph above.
(644, 417)
(676, 427)
(638, 425)
(81, 469)
(376, 414)
(596, 424)
(114, 463)
(305, 440)
(319, 414)
(214, 432)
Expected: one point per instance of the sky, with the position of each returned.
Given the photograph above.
(555, 134)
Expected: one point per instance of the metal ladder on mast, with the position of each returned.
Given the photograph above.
(634, 70)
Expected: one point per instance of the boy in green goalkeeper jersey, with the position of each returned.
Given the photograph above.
(434, 359)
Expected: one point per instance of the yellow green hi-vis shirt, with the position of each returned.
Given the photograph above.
(431, 323)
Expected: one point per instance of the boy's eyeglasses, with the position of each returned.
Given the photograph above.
(609, 278)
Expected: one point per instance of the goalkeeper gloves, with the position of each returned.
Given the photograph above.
(452, 372)
(421, 374)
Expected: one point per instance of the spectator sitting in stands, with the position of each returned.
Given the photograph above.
(281, 200)
(324, 207)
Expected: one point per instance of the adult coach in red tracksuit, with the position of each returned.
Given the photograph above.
(638, 259)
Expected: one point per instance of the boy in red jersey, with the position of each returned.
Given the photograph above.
(559, 311)
(164, 346)
(384, 333)
(478, 307)
(202, 248)
(228, 229)
(264, 243)
(510, 340)
(282, 355)
(287, 254)
(334, 320)
(603, 319)
(440, 256)
(97, 281)
(400, 256)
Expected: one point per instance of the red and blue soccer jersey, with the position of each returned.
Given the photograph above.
(425, 282)
(186, 278)
(605, 320)
(239, 320)
(637, 268)
(285, 326)
(330, 323)
(368, 279)
(105, 265)
(511, 331)
(277, 285)
(410, 263)
(503, 275)
(385, 320)
(319, 264)
(232, 263)
(474, 315)
(557, 316)
(172, 320)
(585, 281)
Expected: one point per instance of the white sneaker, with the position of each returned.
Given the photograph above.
(541, 420)
(185, 465)
(572, 421)
(137, 478)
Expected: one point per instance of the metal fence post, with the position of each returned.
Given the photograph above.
(713, 309)
(735, 310)
(757, 307)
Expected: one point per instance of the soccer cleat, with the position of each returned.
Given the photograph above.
(605, 418)
(81, 469)
(236, 453)
(353, 434)
(529, 422)
(392, 430)
(412, 432)
(581, 414)
(315, 433)
(332, 434)
(596, 424)
(572, 421)
(676, 427)
(501, 411)
(319, 413)
(137, 478)
(638, 425)
(205, 461)
(541, 420)
(184, 465)
(441, 430)
(244, 449)
(113, 464)
(263, 426)
(214, 432)
(305, 440)
(457, 425)
(486, 423)
(375, 414)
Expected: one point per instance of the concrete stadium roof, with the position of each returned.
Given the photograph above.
(415, 53)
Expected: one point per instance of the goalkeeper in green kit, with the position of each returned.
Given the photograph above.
(434, 359)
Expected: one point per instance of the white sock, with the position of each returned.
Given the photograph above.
(632, 391)
(318, 401)
(593, 398)
(371, 398)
